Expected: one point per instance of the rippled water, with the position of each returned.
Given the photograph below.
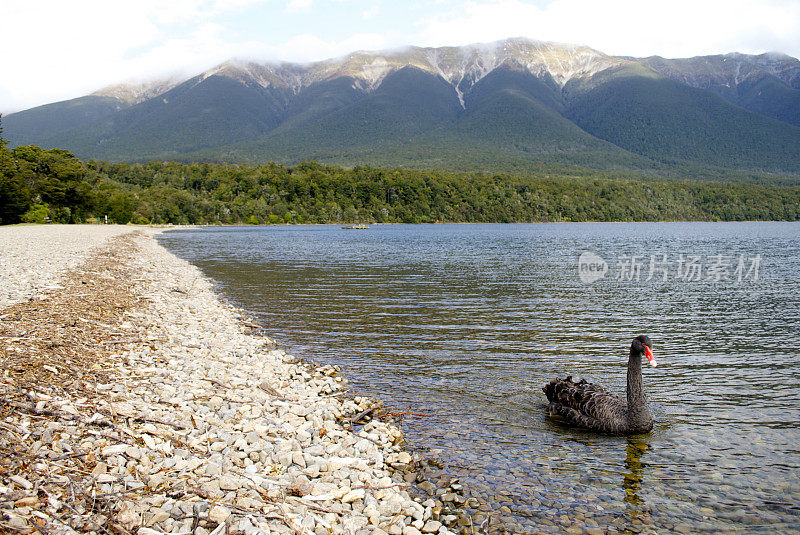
(465, 323)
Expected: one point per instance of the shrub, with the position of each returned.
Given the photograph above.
(38, 213)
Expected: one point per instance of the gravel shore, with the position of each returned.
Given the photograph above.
(136, 401)
(34, 257)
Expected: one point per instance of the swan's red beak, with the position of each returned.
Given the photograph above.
(649, 354)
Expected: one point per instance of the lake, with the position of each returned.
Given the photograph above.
(464, 324)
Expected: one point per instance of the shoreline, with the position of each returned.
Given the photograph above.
(139, 402)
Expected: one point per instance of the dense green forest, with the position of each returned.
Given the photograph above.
(38, 185)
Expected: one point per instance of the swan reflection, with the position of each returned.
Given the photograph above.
(632, 479)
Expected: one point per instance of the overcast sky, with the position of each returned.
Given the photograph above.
(58, 49)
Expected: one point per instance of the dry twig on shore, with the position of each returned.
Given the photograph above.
(54, 352)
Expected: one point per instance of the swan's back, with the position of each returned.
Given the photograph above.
(587, 405)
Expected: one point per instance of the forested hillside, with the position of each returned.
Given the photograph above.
(38, 185)
(514, 106)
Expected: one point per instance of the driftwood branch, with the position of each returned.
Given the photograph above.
(58, 414)
(12, 428)
(159, 421)
(369, 487)
(405, 413)
(361, 415)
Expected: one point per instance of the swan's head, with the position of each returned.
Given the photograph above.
(643, 346)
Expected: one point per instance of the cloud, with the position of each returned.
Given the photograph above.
(65, 49)
(371, 12)
(58, 50)
(204, 46)
(308, 47)
(50, 50)
(677, 28)
(299, 6)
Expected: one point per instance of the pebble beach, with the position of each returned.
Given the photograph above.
(134, 400)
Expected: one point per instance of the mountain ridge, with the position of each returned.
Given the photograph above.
(459, 65)
(564, 107)
(584, 60)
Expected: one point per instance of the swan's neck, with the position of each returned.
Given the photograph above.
(638, 411)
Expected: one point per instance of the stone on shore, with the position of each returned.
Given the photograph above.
(183, 419)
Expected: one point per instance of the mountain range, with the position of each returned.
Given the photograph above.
(516, 105)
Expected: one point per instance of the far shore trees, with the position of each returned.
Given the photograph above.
(51, 185)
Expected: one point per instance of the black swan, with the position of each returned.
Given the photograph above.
(592, 407)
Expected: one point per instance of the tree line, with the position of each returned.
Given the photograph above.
(51, 185)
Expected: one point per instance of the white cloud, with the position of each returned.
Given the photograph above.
(307, 47)
(371, 12)
(56, 49)
(201, 48)
(52, 50)
(222, 6)
(675, 28)
(299, 6)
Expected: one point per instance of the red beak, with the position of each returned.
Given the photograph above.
(649, 354)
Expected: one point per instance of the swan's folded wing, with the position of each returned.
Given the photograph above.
(586, 405)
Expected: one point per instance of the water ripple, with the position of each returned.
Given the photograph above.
(466, 322)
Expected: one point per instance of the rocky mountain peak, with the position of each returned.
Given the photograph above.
(461, 66)
(135, 92)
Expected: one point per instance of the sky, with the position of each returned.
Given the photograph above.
(56, 50)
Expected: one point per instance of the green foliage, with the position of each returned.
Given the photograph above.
(314, 193)
(119, 207)
(15, 198)
(37, 184)
(38, 213)
(52, 177)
